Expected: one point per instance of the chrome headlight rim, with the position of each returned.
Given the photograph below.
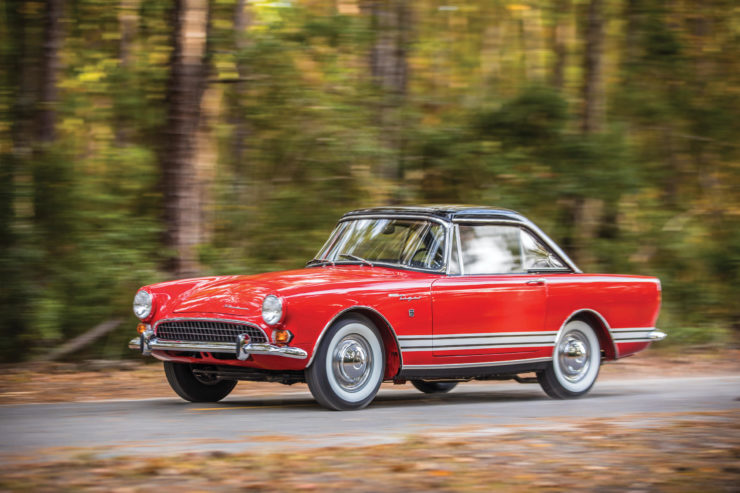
(143, 304)
(273, 309)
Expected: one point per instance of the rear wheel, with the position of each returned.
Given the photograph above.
(575, 363)
(349, 365)
(433, 387)
(196, 388)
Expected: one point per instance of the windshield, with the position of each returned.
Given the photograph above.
(406, 242)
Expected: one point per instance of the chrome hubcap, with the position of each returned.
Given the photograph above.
(574, 356)
(352, 362)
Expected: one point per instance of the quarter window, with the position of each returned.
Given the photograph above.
(536, 256)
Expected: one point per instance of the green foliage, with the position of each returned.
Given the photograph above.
(697, 336)
(534, 118)
(299, 132)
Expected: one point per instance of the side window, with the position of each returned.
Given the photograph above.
(536, 256)
(491, 249)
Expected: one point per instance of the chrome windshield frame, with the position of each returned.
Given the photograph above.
(415, 217)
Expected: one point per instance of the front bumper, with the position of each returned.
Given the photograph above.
(155, 344)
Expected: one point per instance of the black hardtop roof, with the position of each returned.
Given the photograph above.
(462, 212)
(448, 212)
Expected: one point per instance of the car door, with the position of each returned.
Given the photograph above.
(491, 304)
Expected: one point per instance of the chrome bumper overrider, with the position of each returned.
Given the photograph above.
(216, 347)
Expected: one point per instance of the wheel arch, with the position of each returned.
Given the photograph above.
(393, 356)
(599, 324)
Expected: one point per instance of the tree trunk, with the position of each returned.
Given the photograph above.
(182, 196)
(388, 54)
(532, 43)
(207, 157)
(16, 178)
(585, 210)
(128, 19)
(593, 84)
(242, 21)
(82, 340)
(490, 55)
(49, 71)
(632, 17)
(22, 76)
(559, 42)
(389, 68)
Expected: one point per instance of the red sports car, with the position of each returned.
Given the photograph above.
(435, 295)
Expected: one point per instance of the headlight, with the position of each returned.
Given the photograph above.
(142, 304)
(272, 309)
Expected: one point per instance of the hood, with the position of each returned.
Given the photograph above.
(243, 295)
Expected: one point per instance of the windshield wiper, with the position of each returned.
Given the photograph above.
(355, 257)
(318, 261)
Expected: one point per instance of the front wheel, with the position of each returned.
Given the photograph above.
(348, 367)
(575, 362)
(196, 388)
(433, 387)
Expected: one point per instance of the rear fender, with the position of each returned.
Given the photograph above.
(600, 326)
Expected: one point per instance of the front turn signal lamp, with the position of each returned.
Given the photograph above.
(141, 328)
(282, 337)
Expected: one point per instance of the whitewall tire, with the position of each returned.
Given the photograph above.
(575, 362)
(349, 365)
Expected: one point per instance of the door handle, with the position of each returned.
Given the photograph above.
(536, 282)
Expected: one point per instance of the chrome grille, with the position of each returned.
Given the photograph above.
(207, 331)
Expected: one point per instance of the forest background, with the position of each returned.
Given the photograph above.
(143, 140)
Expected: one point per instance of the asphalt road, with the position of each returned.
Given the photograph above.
(167, 426)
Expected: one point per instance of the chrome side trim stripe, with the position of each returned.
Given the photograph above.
(633, 329)
(476, 365)
(637, 334)
(477, 341)
(651, 336)
(607, 278)
(481, 346)
(657, 335)
(488, 334)
(455, 342)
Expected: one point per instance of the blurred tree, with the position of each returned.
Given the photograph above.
(182, 193)
(49, 71)
(585, 209)
(593, 78)
(391, 25)
(16, 211)
(242, 21)
(145, 139)
(560, 40)
(128, 19)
